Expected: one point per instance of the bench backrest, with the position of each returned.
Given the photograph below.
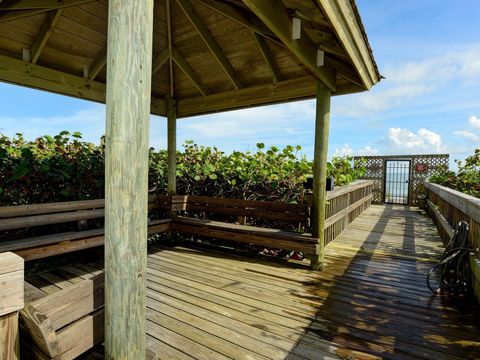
(266, 210)
(25, 216)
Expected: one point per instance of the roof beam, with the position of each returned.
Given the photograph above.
(274, 14)
(344, 69)
(326, 42)
(45, 33)
(31, 75)
(19, 14)
(283, 91)
(349, 32)
(160, 60)
(240, 16)
(97, 65)
(267, 56)
(210, 41)
(29, 4)
(189, 72)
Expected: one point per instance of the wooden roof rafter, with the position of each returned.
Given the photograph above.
(47, 29)
(17, 12)
(241, 17)
(210, 41)
(159, 60)
(98, 64)
(245, 42)
(275, 15)
(189, 72)
(267, 56)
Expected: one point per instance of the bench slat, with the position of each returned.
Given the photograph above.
(58, 218)
(247, 229)
(257, 236)
(250, 212)
(259, 204)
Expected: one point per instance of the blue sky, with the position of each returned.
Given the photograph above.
(429, 52)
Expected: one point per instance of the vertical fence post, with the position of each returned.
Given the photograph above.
(322, 125)
(129, 70)
(11, 295)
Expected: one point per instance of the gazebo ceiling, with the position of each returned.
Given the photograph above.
(209, 55)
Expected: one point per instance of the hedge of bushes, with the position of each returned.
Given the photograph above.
(66, 168)
(466, 179)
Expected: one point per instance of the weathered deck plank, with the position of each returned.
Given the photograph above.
(369, 302)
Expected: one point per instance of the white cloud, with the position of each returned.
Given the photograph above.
(289, 123)
(89, 121)
(405, 140)
(410, 80)
(367, 150)
(345, 150)
(467, 134)
(474, 121)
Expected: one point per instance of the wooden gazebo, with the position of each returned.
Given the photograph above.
(178, 58)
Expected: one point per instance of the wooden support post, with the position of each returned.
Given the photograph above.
(11, 295)
(129, 68)
(172, 146)
(322, 124)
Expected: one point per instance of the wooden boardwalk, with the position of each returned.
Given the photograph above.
(369, 302)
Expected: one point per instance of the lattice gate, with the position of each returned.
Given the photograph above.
(421, 167)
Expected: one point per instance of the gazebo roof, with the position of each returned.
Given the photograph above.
(209, 55)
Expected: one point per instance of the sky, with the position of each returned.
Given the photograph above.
(429, 102)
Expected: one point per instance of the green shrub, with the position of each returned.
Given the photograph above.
(65, 168)
(467, 178)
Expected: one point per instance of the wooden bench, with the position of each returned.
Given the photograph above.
(297, 215)
(344, 205)
(66, 323)
(196, 215)
(14, 218)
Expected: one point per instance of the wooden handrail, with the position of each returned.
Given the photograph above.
(467, 204)
(344, 204)
(447, 207)
(341, 190)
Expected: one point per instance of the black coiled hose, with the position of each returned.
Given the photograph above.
(452, 274)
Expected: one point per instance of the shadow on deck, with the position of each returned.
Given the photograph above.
(370, 301)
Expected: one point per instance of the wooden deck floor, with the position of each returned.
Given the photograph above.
(369, 302)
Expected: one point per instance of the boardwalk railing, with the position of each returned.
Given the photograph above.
(447, 207)
(344, 205)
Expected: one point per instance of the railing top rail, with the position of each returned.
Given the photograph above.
(469, 205)
(342, 190)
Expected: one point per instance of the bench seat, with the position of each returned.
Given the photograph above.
(48, 245)
(64, 324)
(267, 237)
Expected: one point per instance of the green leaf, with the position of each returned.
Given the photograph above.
(21, 170)
(260, 145)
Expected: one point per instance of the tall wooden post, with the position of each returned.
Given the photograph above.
(129, 68)
(172, 146)
(322, 125)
